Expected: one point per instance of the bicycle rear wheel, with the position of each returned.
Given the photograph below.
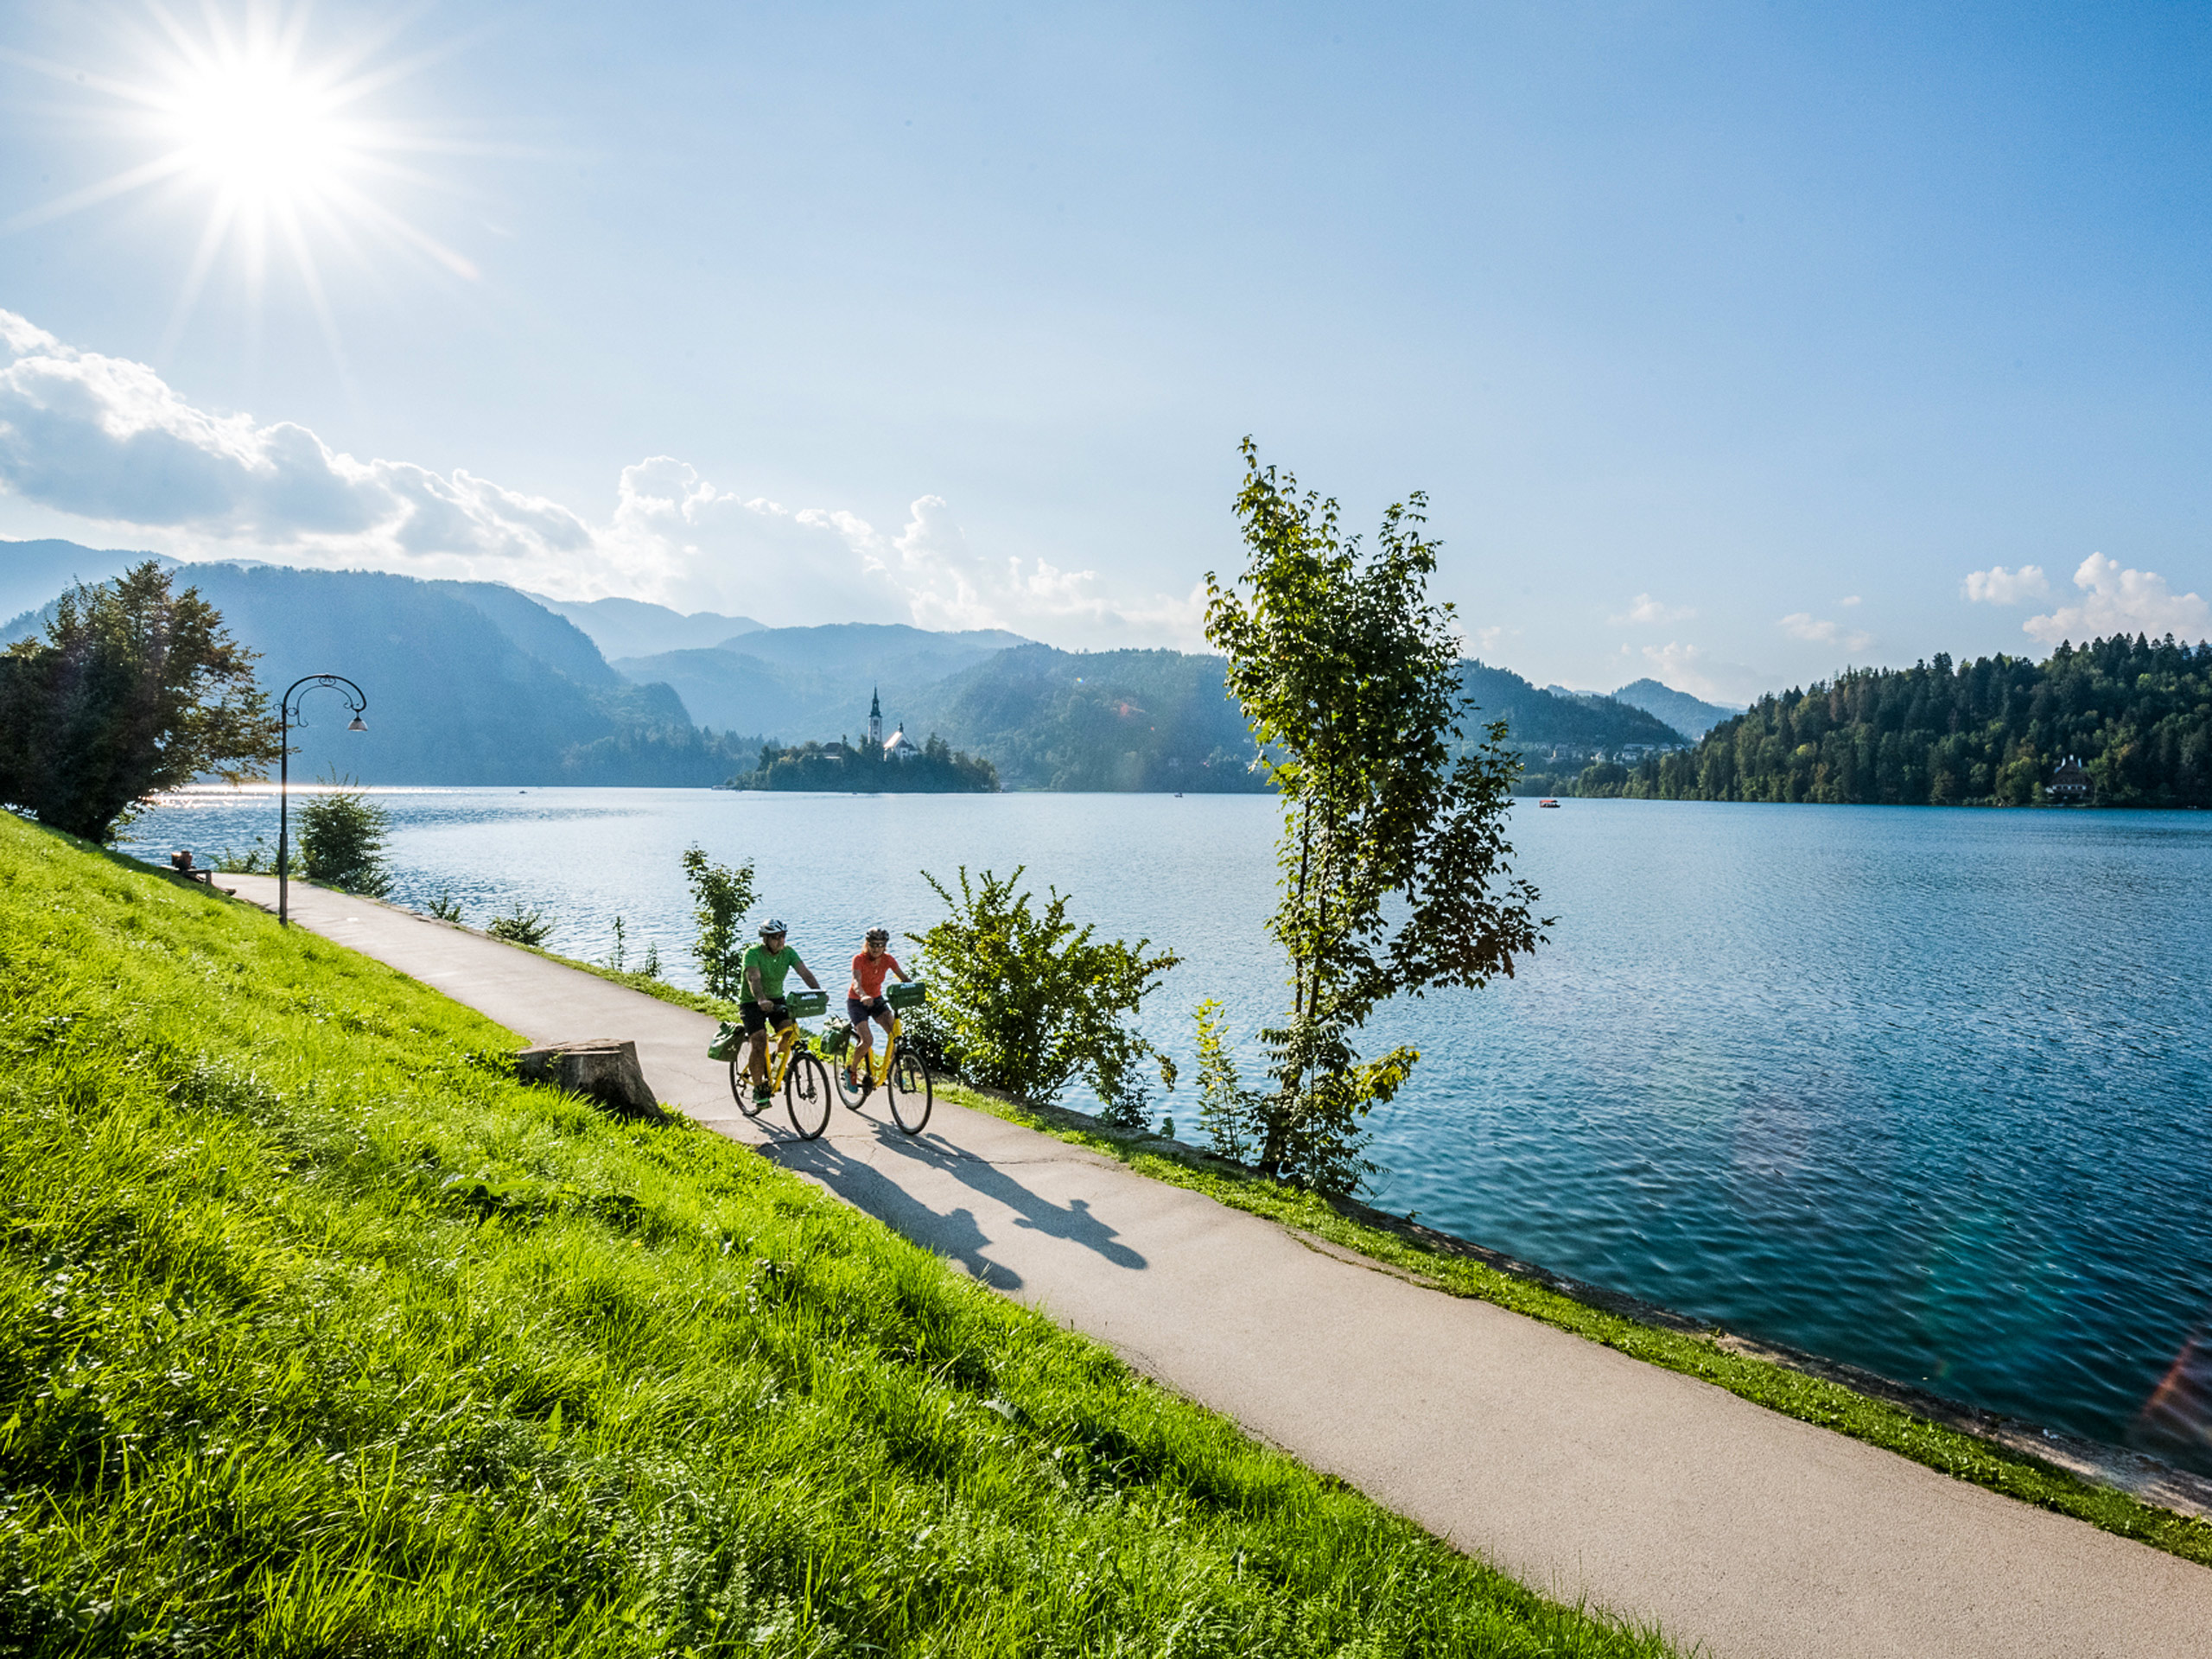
(741, 1080)
(911, 1092)
(806, 1095)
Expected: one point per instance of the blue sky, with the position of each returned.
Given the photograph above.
(1731, 342)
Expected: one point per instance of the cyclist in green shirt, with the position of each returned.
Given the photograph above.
(763, 971)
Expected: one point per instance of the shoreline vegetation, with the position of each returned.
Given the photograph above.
(2136, 712)
(2127, 1493)
(324, 1333)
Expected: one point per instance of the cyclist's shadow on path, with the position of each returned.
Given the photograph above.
(954, 1233)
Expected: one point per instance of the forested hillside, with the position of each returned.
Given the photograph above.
(1107, 720)
(2136, 712)
(1124, 720)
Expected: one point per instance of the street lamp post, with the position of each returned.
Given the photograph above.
(289, 713)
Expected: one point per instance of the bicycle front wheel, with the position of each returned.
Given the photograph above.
(806, 1095)
(912, 1094)
(741, 1079)
(851, 1093)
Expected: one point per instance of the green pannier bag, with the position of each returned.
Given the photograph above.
(837, 1039)
(804, 1005)
(910, 995)
(728, 1036)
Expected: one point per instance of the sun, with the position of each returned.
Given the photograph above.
(272, 147)
(260, 132)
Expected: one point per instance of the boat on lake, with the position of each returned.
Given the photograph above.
(1547, 801)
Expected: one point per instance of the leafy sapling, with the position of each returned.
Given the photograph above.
(1028, 1001)
(721, 894)
(1394, 869)
(520, 926)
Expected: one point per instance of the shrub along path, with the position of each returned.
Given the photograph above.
(1575, 1468)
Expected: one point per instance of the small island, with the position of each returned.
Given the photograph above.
(881, 765)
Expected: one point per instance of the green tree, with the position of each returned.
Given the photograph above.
(721, 894)
(1395, 864)
(342, 836)
(134, 690)
(1028, 1001)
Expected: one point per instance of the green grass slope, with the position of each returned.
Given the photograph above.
(318, 1335)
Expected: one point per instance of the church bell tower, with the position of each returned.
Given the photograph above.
(875, 721)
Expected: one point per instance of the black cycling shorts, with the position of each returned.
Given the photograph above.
(856, 1010)
(777, 1013)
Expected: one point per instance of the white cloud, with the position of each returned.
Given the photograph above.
(1848, 600)
(1803, 625)
(1646, 611)
(107, 440)
(1997, 586)
(948, 584)
(1688, 669)
(2122, 601)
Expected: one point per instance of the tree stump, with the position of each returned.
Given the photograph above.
(604, 1068)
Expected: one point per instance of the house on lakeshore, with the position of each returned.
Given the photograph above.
(2070, 782)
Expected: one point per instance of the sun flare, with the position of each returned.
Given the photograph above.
(272, 148)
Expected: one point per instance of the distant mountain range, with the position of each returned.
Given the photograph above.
(475, 682)
(631, 627)
(800, 683)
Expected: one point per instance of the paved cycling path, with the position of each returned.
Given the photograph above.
(1579, 1471)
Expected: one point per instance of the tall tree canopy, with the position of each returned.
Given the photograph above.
(135, 689)
(1393, 857)
(2136, 712)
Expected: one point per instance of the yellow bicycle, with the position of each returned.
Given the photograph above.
(911, 1091)
(790, 1067)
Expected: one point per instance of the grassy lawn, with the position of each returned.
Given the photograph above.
(319, 1335)
(1795, 1394)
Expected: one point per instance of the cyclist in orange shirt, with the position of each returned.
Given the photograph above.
(864, 1004)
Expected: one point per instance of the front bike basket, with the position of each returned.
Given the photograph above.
(912, 994)
(805, 1005)
(728, 1036)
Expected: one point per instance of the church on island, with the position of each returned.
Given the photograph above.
(898, 746)
(878, 766)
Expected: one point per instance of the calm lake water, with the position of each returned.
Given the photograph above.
(1926, 1090)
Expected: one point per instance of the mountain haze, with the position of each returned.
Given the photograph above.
(631, 627)
(33, 573)
(800, 683)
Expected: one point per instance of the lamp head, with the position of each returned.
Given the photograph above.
(358, 725)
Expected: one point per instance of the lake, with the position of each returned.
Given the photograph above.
(1926, 1090)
